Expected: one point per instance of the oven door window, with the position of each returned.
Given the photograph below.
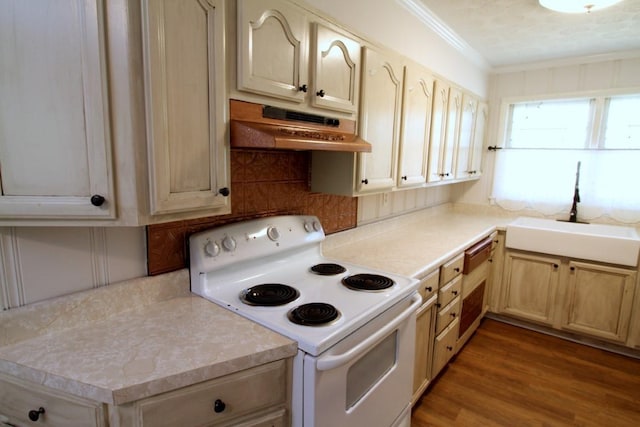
(370, 369)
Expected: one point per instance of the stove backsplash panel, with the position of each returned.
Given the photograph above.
(263, 183)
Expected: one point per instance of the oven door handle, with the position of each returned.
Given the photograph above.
(330, 362)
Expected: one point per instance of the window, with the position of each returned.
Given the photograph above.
(545, 140)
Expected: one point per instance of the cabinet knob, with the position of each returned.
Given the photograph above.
(365, 181)
(224, 191)
(454, 292)
(34, 415)
(457, 269)
(404, 178)
(320, 93)
(303, 88)
(449, 348)
(572, 268)
(219, 406)
(555, 265)
(97, 200)
(438, 305)
(453, 315)
(428, 289)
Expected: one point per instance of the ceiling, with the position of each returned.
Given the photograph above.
(512, 32)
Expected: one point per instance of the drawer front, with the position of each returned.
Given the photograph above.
(448, 292)
(444, 347)
(429, 285)
(448, 314)
(476, 255)
(17, 398)
(240, 393)
(451, 269)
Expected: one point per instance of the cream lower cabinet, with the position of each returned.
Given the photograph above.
(597, 300)
(586, 298)
(425, 328)
(259, 396)
(529, 286)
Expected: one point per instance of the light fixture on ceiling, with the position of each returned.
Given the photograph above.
(577, 6)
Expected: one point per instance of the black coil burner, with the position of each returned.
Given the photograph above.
(314, 314)
(328, 269)
(269, 294)
(368, 282)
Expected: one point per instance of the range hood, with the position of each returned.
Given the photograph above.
(266, 127)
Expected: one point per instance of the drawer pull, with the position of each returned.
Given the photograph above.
(219, 406)
(453, 315)
(457, 269)
(34, 415)
(454, 292)
(449, 348)
(428, 289)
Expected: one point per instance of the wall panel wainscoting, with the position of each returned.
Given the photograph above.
(509, 376)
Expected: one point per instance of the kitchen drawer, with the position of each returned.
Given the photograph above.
(476, 255)
(451, 268)
(429, 285)
(444, 347)
(18, 397)
(447, 314)
(241, 393)
(449, 291)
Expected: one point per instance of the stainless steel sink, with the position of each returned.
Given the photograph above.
(597, 242)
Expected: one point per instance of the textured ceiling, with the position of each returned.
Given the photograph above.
(511, 32)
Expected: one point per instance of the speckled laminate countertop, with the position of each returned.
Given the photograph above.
(131, 340)
(413, 244)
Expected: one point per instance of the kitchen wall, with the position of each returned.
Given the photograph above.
(561, 78)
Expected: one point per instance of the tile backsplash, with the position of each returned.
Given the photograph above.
(263, 183)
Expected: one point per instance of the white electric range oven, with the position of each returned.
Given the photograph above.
(355, 326)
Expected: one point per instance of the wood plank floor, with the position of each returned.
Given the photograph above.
(509, 376)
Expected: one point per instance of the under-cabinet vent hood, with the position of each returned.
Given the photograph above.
(263, 126)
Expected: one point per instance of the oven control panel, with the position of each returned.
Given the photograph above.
(217, 247)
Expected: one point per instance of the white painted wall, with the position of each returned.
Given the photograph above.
(389, 24)
(542, 80)
(38, 263)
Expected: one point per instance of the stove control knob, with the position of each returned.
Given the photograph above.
(317, 226)
(308, 227)
(211, 249)
(273, 233)
(229, 244)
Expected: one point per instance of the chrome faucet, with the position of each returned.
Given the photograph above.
(573, 214)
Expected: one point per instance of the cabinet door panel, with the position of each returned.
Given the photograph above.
(185, 103)
(598, 300)
(454, 110)
(416, 126)
(530, 287)
(336, 71)
(424, 346)
(438, 130)
(55, 150)
(272, 49)
(465, 137)
(478, 139)
(380, 121)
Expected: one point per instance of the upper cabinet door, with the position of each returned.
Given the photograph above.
(465, 136)
(272, 49)
(55, 144)
(416, 126)
(438, 130)
(478, 139)
(380, 121)
(453, 131)
(336, 71)
(185, 99)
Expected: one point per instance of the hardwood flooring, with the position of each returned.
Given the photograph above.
(509, 376)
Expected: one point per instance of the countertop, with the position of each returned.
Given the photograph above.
(143, 337)
(128, 341)
(413, 244)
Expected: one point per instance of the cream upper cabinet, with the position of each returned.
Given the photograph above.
(529, 286)
(336, 66)
(416, 126)
(185, 99)
(598, 300)
(447, 105)
(273, 42)
(55, 142)
(380, 120)
(277, 50)
(468, 114)
(477, 146)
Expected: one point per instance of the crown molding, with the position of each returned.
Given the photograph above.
(441, 29)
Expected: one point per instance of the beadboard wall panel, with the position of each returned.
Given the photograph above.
(39, 263)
